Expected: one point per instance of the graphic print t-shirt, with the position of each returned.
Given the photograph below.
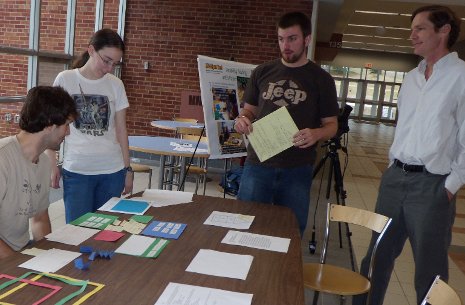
(308, 92)
(92, 147)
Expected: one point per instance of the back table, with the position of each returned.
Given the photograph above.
(274, 278)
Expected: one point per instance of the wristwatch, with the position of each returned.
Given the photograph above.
(128, 169)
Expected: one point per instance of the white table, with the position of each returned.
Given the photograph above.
(173, 125)
(165, 146)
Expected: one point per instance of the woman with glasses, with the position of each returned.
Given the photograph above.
(96, 153)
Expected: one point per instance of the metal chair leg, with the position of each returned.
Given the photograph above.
(315, 297)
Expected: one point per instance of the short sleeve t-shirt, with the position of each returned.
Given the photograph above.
(309, 94)
(24, 192)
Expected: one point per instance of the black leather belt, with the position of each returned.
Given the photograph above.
(409, 167)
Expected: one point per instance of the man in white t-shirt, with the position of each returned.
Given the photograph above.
(25, 169)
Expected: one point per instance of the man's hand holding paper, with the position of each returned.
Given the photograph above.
(274, 133)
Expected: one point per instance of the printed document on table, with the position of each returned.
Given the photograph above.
(223, 264)
(257, 241)
(229, 220)
(272, 134)
(175, 294)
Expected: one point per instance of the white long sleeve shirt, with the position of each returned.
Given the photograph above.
(431, 125)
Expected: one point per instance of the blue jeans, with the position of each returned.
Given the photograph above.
(288, 187)
(86, 193)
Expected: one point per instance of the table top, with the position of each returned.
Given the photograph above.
(274, 278)
(172, 125)
(162, 146)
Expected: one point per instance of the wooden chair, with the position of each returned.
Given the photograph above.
(186, 120)
(440, 293)
(198, 167)
(332, 279)
(140, 168)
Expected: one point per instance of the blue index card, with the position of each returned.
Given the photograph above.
(131, 206)
(164, 229)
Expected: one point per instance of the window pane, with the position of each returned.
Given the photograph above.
(388, 93)
(85, 22)
(48, 71)
(110, 19)
(356, 108)
(355, 73)
(338, 71)
(374, 74)
(339, 84)
(13, 74)
(370, 111)
(400, 77)
(53, 25)
(14, 24)
(354, 90)
(396, 93)
(372, 93)
(389, 113)
(390, 75)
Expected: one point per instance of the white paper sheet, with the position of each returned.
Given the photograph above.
(175, 294)
(257, 241)
(223, 264)
(71, 235)
(135, 245)
(50, 261)
(161, 198)
(229, 220)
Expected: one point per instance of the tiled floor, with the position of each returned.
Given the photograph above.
(367, 147)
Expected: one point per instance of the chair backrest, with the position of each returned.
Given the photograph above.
(195, 138)
(440, 293)
(370, 220)
(182, 131)
(185, 120)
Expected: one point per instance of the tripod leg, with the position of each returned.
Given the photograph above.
(339, 189)
(320, 164)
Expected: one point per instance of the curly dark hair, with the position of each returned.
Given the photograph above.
(46, 106)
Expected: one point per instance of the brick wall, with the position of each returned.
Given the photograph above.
(169, 34)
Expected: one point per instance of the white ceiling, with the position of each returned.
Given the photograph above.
(379, 32)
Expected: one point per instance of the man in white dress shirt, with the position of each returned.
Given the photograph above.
(427, 157)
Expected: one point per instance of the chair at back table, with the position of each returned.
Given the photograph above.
(440, 293)
(198, 166)
(332, 279)
(140, 168)
(185, 120)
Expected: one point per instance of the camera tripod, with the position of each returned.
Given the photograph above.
(334, 169)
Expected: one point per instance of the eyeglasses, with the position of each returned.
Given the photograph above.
(108, 62)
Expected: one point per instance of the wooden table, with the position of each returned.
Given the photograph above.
(274, 278)
(162, 146)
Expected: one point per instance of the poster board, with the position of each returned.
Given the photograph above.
(222, 85)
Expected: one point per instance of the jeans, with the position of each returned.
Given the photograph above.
(288, 187)
(86, 193)
(420, 211)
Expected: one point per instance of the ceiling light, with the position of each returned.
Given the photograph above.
(398, 28)
(374, 12)
(386, 37)
(363, 25)
(383, 13)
